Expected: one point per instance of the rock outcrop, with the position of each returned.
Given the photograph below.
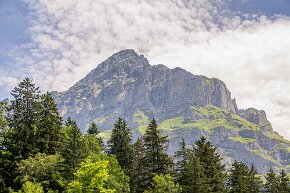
(186, 106)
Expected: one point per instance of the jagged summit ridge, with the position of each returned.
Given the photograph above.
(186, 105)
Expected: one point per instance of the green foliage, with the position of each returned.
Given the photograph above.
(34, 126)
(4, 162)
(254, 181)
(73, 148)
(92, 145)
(38, 154)
(120, 145)
(95, 131)
(284, 182)
(91, 177)
(3, 122)
(43, 169)
(49, 126)
(182, 160)
(138, 172)
(156, 161)
(23, 116)
(194, 176)
(30, 187)
(211, 164)
(272, 183)
(164, 183)
(99, 175)
(243, 180)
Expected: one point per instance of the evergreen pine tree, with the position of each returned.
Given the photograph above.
(211, 162)
(18, 139)
(194, 176)
(156, 159)
(120, 145)
(254, 181)
(284, 183)
(271, 185)
(23, 117)
(182, 160)
(94, 130)
(238, 178)
(137, 175)
(49, 126)
(73, 148)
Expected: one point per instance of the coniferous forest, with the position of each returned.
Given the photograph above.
(41, 152)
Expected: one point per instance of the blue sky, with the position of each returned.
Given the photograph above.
(244, 43)
(14, 23)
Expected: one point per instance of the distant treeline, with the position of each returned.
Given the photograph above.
(41, 153)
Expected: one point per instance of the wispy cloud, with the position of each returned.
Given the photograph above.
(249, 52)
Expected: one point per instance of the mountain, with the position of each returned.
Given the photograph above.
(185, 106)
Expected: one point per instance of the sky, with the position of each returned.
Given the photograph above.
(245, 43)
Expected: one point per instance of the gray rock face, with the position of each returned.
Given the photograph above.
(257, 117)
(186, 105)
(126, 82)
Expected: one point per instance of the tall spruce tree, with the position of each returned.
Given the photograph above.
(18, 140)
(194, 180)
(95, 131)
(272, 183)
(137, 175)
(73, 148)
(120, 145)
(156, 159)
(182, 160)
(254, 181)
(211, 163)
(23, 117)
(243, 180)
(284, 183)
(49, 126)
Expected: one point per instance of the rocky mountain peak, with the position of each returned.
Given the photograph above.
(123, 59)
(185, 105)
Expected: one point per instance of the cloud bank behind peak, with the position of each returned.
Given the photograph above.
(249, 51)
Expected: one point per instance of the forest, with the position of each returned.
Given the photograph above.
(42, 153)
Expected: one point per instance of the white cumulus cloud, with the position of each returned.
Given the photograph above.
(249, 52)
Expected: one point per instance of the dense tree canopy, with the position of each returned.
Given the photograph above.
(97, 174)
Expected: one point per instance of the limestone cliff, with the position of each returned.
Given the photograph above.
(185, 105)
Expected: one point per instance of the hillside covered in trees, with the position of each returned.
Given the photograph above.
(41, 152)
